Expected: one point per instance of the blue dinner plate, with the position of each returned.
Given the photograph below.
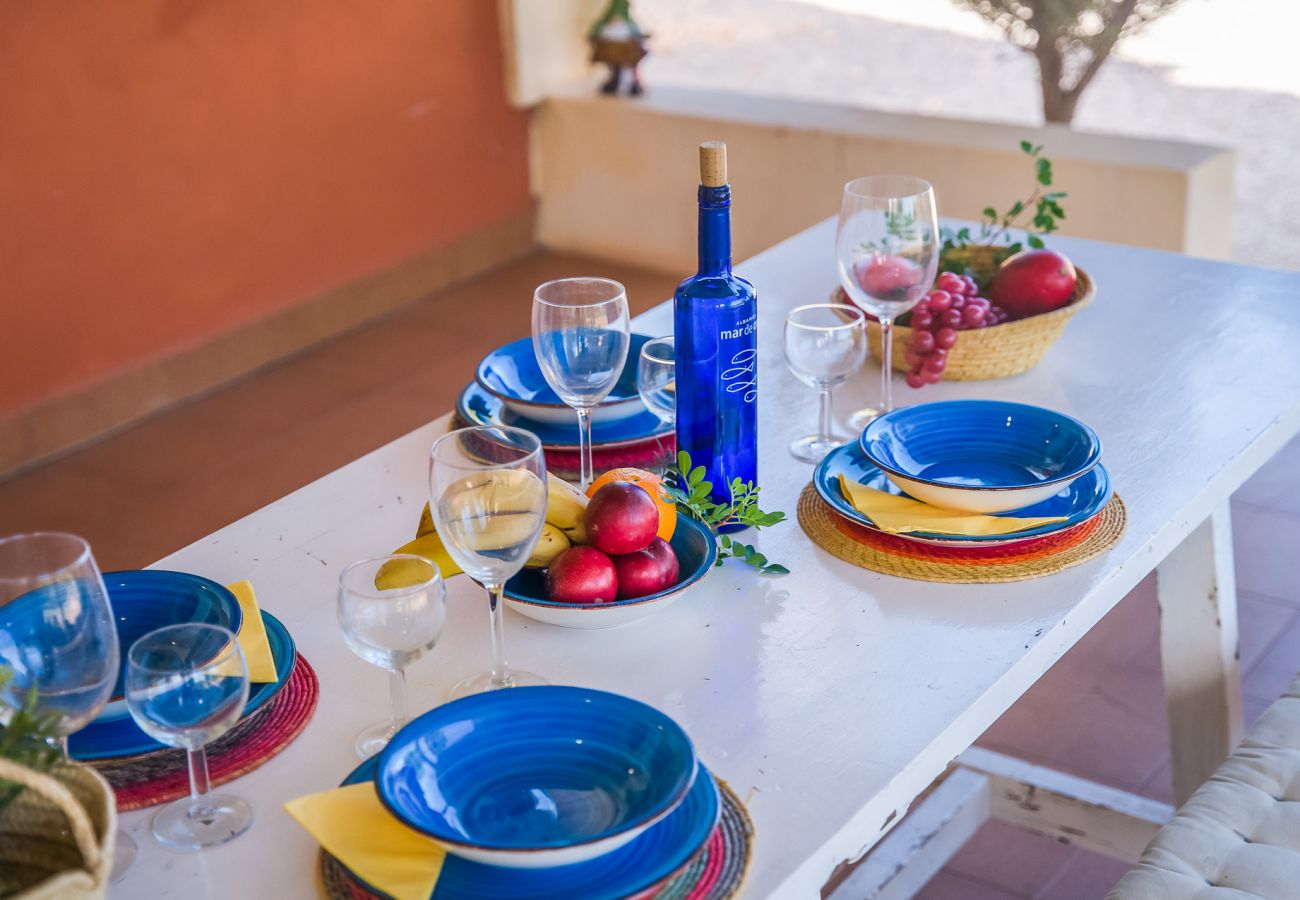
(115, 733)
(1080, 500)
(512, 373)
(659, 853)
(536, 776)
(477, 407)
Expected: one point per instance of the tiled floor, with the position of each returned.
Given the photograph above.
(1099, 713)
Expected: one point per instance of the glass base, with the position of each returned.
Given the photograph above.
(190, 824)
(124, 850)
(813, 449)
(862, 418)
(375, 738)
(481, 684)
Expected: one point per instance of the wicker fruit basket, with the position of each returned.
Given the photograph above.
(996, 352)
(56, 836)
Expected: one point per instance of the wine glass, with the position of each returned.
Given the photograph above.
(487, 495)
(581, 336)
(186, 686)
(825, 344)
(656, 378)
(58, 639)
(391, 627)
(887, 248)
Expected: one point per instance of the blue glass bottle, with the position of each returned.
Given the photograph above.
(715, 316)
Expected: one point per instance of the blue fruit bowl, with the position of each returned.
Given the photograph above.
(696, 550)
(980, 456)
(533, 777)
(512, 374)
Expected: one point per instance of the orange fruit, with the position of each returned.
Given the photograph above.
(653, 485)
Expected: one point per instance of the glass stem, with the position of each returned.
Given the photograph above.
(62, 743)
(199, 783)
(824, 418)
(585, 463)
(887, 364)
(500, 669)
(397, 692)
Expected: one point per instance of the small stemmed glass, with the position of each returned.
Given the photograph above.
(58, 639)
(656, 379)
(887, 247)
(391, 627)
(581, 335)
(487, 496)
(186, 686)
(825, 344)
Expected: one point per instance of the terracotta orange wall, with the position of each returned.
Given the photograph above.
(170, 169)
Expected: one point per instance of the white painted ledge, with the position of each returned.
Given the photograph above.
(616, 176)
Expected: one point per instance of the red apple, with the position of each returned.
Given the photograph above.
(582, 575)
(884, 276)
(647, 571)
(621, 518)
(1033, 282)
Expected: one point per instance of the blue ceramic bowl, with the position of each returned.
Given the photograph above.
(145, 600)
(981, 456)
(663, 852)
(534, 777)
(696, 550)
(513, 375)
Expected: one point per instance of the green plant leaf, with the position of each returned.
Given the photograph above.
(1044, 171)
(1035, 241)
(1027, 147)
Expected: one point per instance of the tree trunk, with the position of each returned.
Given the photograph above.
(1058, 104)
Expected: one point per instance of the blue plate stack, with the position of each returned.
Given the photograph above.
(977, 456)
(147, 599)
(549, 792)
(509, 389)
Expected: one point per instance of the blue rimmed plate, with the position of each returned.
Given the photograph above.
(696, 549)
(660, 853)
(536, 777)
(512, 374)
(115, 734)
(477, 407)
(1078, 501)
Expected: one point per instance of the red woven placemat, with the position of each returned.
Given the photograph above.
(159, 777)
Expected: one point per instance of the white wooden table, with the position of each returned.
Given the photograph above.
(832, 697)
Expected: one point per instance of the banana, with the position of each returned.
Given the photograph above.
(401, 573)
(566, 508)
(550, 545)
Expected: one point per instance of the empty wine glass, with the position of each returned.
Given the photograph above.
(487, 495)
(887, 247)
(580, 336)
(391, 627)
(656, 380)
(186, 686)
(825, 344)
(58, 638)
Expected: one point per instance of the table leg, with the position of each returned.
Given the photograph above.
(1197, 592)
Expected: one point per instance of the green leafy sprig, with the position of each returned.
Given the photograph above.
(687, 486)
(28, 738)
(995, 228)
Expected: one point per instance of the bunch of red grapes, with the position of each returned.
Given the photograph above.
(954, 305)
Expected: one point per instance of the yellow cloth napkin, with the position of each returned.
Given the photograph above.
(901, 515)
(252, 635)
(353, 825)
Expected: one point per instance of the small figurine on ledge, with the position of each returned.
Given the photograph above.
(618, 42)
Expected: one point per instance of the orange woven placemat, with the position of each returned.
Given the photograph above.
(893, 555)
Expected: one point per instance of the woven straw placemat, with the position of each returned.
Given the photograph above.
(163, 775)
(893, 555)
(716, 873)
